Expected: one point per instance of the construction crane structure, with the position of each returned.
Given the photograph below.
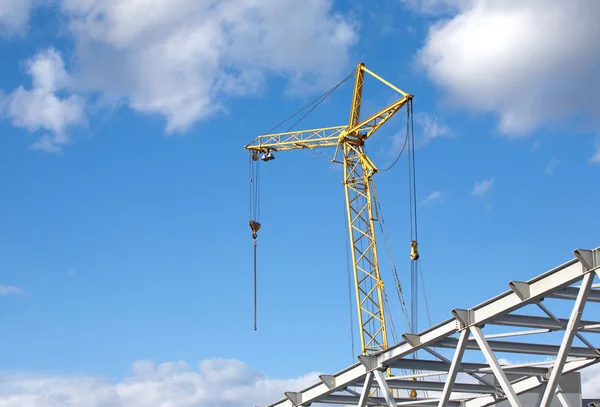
(361, 205)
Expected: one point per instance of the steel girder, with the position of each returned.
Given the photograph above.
(488, 380)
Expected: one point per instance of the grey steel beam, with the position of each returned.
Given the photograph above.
(449, 362)
(362, 401)
(520, 347)
(578, 327)
(527, 321)
(438, 386)
(527, 384)
(387, 394)
(517, 333)
(454, 368)
(567, 341)
(570, 293)
(555, 279)
(380, 401)
(466, 367)
(510, 393)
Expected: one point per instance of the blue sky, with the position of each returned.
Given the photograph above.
(124, 181)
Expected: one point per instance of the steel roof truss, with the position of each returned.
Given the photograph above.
(372, 387)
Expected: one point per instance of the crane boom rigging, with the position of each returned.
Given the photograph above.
(360, 195)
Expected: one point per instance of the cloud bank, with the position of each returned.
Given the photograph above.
(215, 383)
(516, 60)
(181, 60)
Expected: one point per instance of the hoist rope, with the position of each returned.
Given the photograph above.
(424, 293)
(412, 198)
(250, 185)
(415, 262)
(386, 240)
(388, 311)
(255, 284)
(254, 220)
(403, 146)
(254, 188)
(414, 177)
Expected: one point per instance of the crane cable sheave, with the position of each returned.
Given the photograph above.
(254, 227)
(349, 143)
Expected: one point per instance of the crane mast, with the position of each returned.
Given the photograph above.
(360, 198)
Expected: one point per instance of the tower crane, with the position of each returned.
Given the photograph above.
(361, 205)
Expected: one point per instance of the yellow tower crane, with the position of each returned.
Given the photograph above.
(360, 198)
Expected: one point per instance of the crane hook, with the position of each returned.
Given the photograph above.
(254, 226)
(414, 250)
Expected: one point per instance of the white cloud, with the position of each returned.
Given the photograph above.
(427, 129)
(9, 290)
(430, 128)
(183, 59)
(590, 381)
(216, 383)
(515, 59)
(434, 7)
(14, 15)
(41, 108)
(398, 145)
(482, 187)
(551, 166)
(432, 197)
(595, 159)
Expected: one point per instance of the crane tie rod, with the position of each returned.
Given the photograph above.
(318, 101)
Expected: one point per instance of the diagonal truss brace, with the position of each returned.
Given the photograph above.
(496, 368)
(454, 367)
(567, 341)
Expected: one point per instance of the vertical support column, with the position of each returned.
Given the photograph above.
(389, 398)
(454, 367)
(362, 402)
(357, 96)
(567, 341)
(496, 368)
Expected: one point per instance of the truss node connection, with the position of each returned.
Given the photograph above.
(474, 374)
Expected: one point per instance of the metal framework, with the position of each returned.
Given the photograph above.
(489, 379)
(360, 199)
